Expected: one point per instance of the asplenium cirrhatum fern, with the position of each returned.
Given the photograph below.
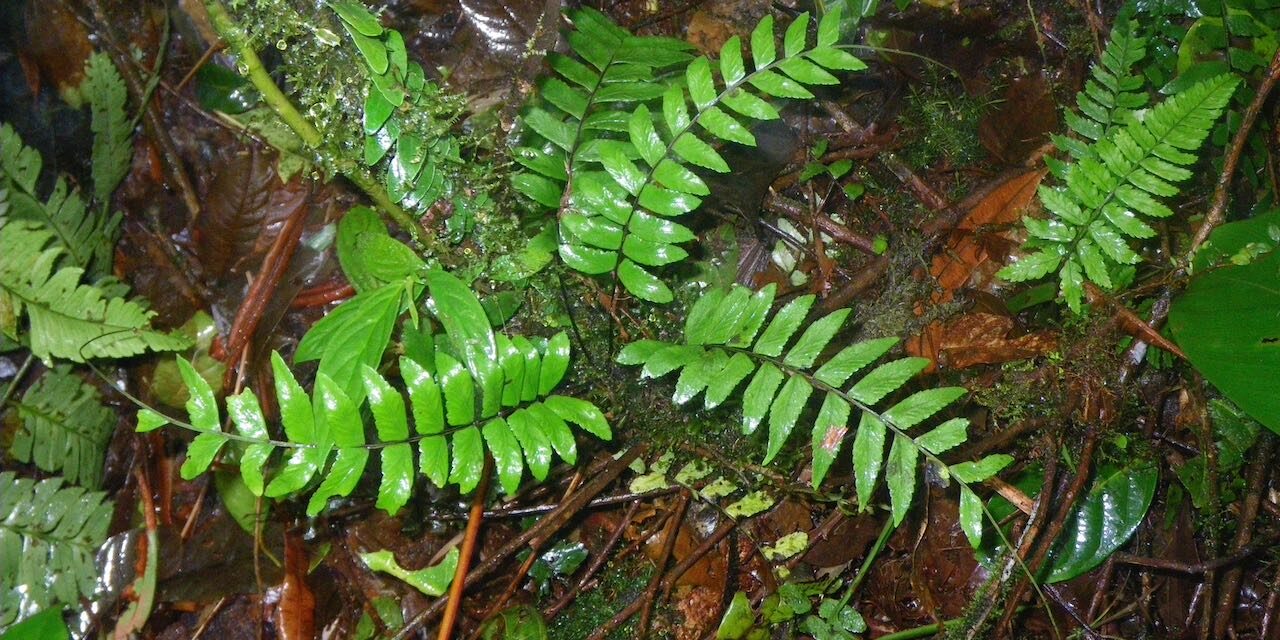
(476, 391)
(727, 340)
(1137, 157)
(619, 141)
(49, 537)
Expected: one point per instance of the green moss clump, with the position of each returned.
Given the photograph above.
(591, 610)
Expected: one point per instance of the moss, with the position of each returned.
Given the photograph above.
(591, 610)
(943, 120)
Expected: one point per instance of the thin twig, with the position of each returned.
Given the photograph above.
(1257, 479)
(597, 563)
(468, 548)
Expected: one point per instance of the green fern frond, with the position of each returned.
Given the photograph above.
(1112, 92)
(65, 427)
(727, 340)
(619, 171)
(1108, 192)
(49, 537)
(112, 133)
(478, 391)
(87, 238)
(67, 319)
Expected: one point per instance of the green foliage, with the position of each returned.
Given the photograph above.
(66, 318)
(85, 238)
(1235, 433)
(49, 536)
(397, 122)
(432, 581)
(833, 620)
(1117, 180)
(1226, 324)
(65, 427)
(112, 130)
(470, 392)
(617, 144)
(727, 340)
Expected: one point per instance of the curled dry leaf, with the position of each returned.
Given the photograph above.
(967, 259)
(978, 338)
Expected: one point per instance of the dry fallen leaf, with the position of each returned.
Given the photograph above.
(977, 338)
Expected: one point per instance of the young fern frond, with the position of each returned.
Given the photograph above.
(618, 177)
(85, 237)
(1112, 92)
(1113, 185)
(482, 392)
(65, 427)
(49, 537)
(727, 340)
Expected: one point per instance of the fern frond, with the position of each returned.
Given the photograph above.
(727, 341)
(65, 427)
(67, 319)
(1108, 192)
(478, 391)
(1112, 92)
(620, 175)
(112, 133)
(86, 237)
(49, 537)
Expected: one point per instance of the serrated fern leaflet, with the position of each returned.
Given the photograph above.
(727, 341)
(619, 144)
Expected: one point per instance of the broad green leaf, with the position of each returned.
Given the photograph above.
(672, 175)
(588, 260)
(971, 472)
(1226, 321)
(651, 254)
(886, 379)
(507, 460)
(1105, 519)
(666, 202)
(571, 101)
(784, 413)
(339, 417)
(806, 72)
(458, 389)
(748, 104)
(536, 446)
(580, 412)
(200, 453)
(299, 425)
(753, 317)
(759, 396)
(731, 65)
(920, 405)
(697, 374)
(971, 516)
(815, 339)
(703, 317)
(149, 420)
(657, 230)
(726, 127)
(829, 26)
(642, 284)
(675, 113)
(355, 333)
(557, 432)
(387, 406)
(828, 434)
(868, 453)
(694, 150)
(900, 476)
(202, 407)
(702, 88)
(778, 86)
(833, 58)
(247, 416)
(555, 361)
(639, 352)
(459, 311)
(852, 359)
(468, 459)
(783, 326)
(644, 137)
(432, 581)
(624, 171)
(356, 17)
(1031, 266)
(668, 358)
(551, 128)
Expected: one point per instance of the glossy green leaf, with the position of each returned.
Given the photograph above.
(387, 406)
(828, 434)
(732, 69)
(642, 284)
(852, 359)
(726, 127)
(458, 389)
(917, 407)
(651, 254)
(694, 150)
(778, 85)
(971, 516)
(644, 137)
(299, 425)
(784, 413)
(355, 16)
(505, 448)
(784, 324)
(793, 39)
(459, 311)
(468, 459)
(748, 104)
(702, 87)
(246, 414)
(727, 379)
(987, 467)
(587, 259)
(945, 436)
(762, 49)
(886, 379)
(900, 476)
(814, 339)
(758, 396)
(1107, 516)
(868, 453)
(534, 443)
(355, 333)
(582, 413)
(557, 432)
(431, 581)
(555, 361)
(339, 417)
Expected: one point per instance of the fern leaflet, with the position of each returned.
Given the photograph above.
(618, 175)
(49, 537)
(1112, 186)
(1111, 94)
(65, 427)
(727, 340)
(112, 133)
(86, 238)
(476, 391)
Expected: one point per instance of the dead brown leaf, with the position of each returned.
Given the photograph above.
(297, 611)
(977, 338)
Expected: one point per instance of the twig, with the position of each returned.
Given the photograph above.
(794, 210)
(1191, 569)
(600, 479)
(668, 546)
(468, 547)
(1218, 207)
(597, 563)
(1257, 479)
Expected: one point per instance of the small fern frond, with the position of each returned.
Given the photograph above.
(620, 176)
(86, 237)
(65, 427)
(478, 391)
(1110, 190)
(67, 319)
(49, 537)
(727, 340)
(1112, 92)
(112, 133)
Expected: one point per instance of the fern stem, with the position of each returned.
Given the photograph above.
(275, 98)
